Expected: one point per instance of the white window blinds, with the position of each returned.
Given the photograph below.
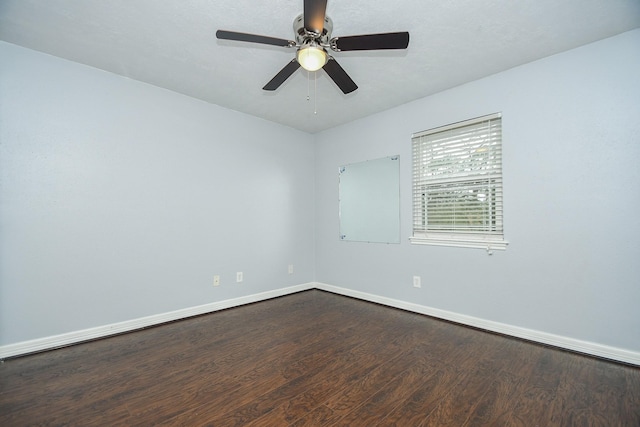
(457, 184)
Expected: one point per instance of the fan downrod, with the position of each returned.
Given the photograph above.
(302, 35)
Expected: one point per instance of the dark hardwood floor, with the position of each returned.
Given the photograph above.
(316, 359)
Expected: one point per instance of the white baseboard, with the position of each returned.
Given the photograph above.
(57, 341)
(598, 350)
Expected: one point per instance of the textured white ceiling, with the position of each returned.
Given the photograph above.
(172, 44)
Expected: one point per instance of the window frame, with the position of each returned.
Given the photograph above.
(488, 174)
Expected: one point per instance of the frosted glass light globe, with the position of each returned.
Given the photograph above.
(311, 58)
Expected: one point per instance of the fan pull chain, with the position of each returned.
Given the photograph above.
(315, 90)
(315, 93)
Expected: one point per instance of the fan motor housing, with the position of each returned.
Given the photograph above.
(302, 35)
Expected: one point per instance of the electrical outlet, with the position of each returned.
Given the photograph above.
(216, 280)
(239, 277)
(416, 282)
(290, 268)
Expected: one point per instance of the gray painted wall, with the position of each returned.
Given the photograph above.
(121, 200)
(571, 144)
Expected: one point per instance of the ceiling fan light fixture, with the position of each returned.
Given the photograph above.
(311, 57)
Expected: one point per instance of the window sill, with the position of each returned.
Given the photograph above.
(489, 243)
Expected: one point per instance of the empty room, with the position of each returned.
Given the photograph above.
(320, 213)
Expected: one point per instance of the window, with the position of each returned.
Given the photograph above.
(457, 185)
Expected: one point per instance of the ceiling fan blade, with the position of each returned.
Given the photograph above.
(314, 11)
(253, 38)
(398, 40)
(282, 75)
(339, 76)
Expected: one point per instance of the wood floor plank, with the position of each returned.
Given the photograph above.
(315, 359)
(369, 353)
(631, 403)
(320, 416)
(276, 374)
(435, 387)
(389, 396)
(465, 396)
(282, 404)
(574, 400)
(533, 403)
(351, 397)
(591, 393)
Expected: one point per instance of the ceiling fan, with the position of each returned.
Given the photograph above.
(313, 36)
